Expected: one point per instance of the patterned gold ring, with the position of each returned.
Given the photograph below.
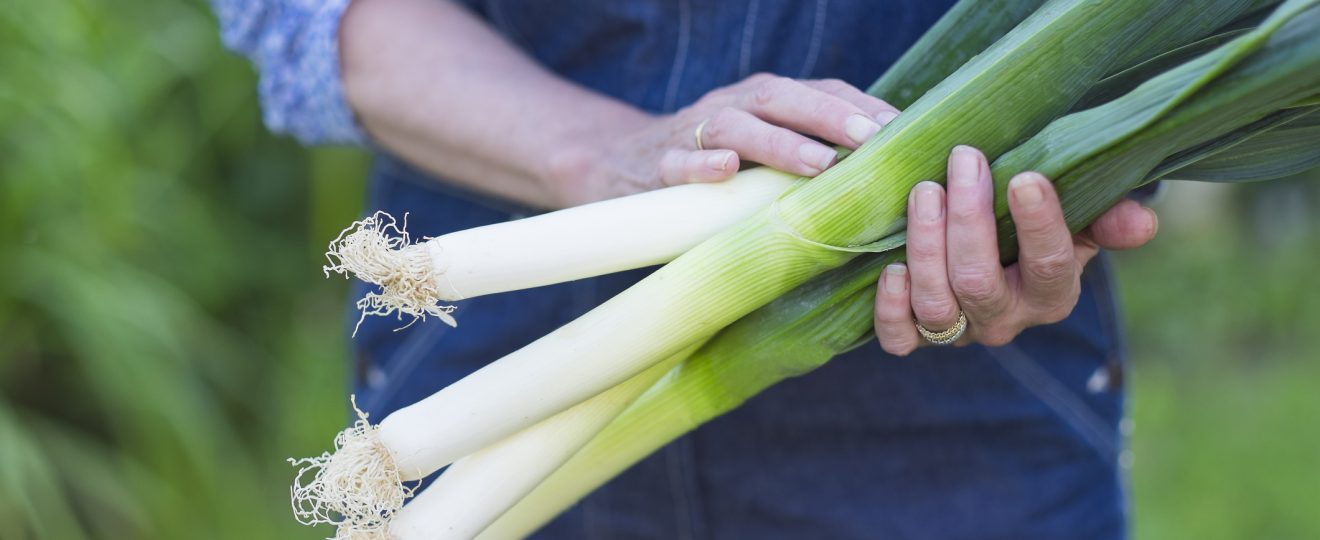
(946, 337)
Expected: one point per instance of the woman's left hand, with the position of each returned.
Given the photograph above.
(953, 258)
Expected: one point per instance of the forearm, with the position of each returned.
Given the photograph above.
(435, 85)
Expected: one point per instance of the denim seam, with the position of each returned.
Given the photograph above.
(1070, 408)
(817, 34)
(680, 53)
(749, 32)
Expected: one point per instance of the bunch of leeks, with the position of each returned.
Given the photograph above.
(1220, 91)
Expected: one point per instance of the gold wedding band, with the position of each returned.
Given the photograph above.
(697, 135)
(946, 337)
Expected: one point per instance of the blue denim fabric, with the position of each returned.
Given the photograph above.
(1020, 441)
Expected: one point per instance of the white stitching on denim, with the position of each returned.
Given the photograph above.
(749, 30)
(817, 34)
(680, 53)
(1071, 409)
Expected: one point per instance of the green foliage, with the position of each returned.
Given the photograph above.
(163, 320)
(1222, 311)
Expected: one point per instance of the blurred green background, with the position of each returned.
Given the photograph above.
(167, 339)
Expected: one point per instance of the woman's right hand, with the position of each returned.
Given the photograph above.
(514, 130)
(764, 119)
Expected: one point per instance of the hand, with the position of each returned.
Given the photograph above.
(953, 258)
(517, 131)
(764, 119)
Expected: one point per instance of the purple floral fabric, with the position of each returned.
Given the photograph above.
(294, 45)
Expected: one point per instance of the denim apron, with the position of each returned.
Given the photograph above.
(1020, 441)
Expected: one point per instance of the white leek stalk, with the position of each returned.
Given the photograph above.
(476, 490)
(595, 239)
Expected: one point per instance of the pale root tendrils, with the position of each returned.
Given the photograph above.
(357, 488)
(378, 251)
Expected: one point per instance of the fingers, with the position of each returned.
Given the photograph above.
(1125, 226)
(769, 120)
(975, 273)
(880, 110)
(953, 257)
(893, 312)
(932, 299)
(683, 167)
(1047, 264)
(785, 102)
(755, 140)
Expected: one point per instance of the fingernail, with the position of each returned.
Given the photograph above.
(885, 117)
(964, 166)
(816, 156)
(895, 278)
(860, 128)
(1026, 189)
(930, 205)
(719, 161)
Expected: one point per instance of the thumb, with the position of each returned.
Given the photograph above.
(1127, 225)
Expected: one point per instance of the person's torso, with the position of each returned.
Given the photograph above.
(661, 55)
(1019, 441)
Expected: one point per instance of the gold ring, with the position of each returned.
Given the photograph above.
(948, 336)
(697, 135)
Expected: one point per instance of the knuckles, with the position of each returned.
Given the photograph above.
(966, 210)
(832, 85)
(1038, 223)
(768, 89)
(780, 142)
(976, 284)
(924, 251)
(935, 311)
(1052, 268)
(890, 311)
(828, 110)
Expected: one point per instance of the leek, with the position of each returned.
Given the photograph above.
(805, 328)
(737, 271)
(480, 487)
(646, 229)
(477, 489)
(1004, 95)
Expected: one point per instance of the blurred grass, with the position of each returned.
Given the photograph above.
(1223, 317)
(166, 338)
(163, 321)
